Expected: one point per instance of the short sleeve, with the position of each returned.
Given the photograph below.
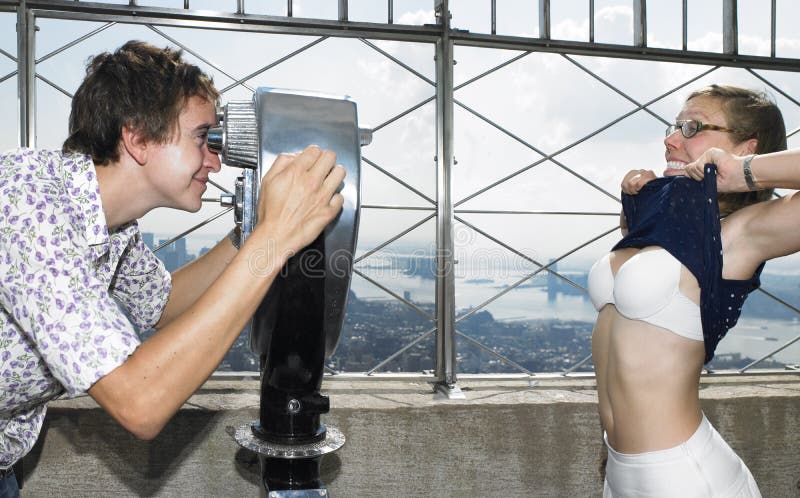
(142, 284)
(51, 290)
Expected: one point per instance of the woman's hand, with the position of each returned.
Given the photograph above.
(299, 197)
(633, 182)
(730, 173)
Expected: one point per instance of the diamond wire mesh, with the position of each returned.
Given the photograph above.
(545, 159)
(498, 184)
(54, 57)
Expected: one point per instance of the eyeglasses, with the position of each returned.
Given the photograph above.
(690, 128)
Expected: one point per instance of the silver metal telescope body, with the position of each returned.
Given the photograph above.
(252, 135)
(299, 322)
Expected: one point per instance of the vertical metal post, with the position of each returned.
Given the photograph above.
(390, 8)
(288, 8)
(445, 260)
(26, 75)
(544, 19)
(240, 6)
(639, 23)
(494, 17)
(591, 21)
(342, 10)
(685, 19)
(186, 4)
(773, 29)
(730, 29)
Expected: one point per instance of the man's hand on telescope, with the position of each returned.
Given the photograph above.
(299, 198)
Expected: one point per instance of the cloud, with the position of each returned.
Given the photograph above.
(613, 24)
(418, 17)
(614, 13)
(543, 98)
(570, 29)
(709, 42)
(787, 47)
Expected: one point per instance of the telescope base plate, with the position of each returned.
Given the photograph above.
(334, 439)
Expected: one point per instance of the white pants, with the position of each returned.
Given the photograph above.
(704, 466)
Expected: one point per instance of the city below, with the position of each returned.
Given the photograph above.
(376, 328)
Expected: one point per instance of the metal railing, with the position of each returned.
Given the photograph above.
(442, 38)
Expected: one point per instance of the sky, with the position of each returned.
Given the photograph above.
(546, 100)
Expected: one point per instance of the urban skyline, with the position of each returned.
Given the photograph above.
(376, 327)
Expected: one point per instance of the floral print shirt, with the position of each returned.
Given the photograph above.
(71, 294)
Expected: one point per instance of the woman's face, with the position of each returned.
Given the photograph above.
(681, 151)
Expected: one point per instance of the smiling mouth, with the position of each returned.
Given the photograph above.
(676, 165)
(675, 168)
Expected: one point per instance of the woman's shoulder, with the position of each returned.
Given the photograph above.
(756, 233)
(745, 215)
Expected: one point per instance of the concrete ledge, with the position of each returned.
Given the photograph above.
(507, 438)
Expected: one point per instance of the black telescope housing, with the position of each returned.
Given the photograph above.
(292, 363)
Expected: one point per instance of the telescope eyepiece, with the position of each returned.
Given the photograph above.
(216, 139)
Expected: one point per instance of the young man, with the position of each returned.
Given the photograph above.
(70, 250)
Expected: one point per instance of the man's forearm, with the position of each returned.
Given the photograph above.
(190, 281)
(143, 393)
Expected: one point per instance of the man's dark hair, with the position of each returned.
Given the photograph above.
(139, 86)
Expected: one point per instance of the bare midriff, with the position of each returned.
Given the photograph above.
(647, 379)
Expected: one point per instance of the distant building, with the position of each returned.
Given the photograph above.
(174, 255)
(556, 285)
(148, 239)
(553, 282)
(180, 252)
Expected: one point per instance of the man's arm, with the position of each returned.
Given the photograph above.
(145, 391)
(298, 199)
(190, 281)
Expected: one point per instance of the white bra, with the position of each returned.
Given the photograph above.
(646, 288)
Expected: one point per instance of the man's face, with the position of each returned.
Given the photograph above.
(181, 167)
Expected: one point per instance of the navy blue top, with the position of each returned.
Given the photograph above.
(681, 215)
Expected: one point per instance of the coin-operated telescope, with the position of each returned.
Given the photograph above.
(297, 325)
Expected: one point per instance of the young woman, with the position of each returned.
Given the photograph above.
(71, 251)
(671, 289)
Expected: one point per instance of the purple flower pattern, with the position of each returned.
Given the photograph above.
(64, 280)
